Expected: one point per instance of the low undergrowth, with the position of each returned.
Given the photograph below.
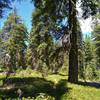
(30, 85)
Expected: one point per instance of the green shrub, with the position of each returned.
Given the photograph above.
(43, 96)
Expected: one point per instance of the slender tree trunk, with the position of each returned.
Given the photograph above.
(73, 55)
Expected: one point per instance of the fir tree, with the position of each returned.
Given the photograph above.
(89, 58)
(14, 35)
(96, 37)
(40, 41)
(59, 10)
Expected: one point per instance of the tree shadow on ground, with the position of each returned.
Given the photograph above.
(57, 73)
(32, 87)
(91, 84)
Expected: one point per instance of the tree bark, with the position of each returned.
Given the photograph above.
(73, 54)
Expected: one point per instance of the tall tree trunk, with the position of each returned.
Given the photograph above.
(73, 55)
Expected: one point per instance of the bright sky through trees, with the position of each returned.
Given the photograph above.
(25, 9)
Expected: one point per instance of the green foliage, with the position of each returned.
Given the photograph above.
(96, 37)
(89, 7)
(14, 36)
(28, 58)
(88, 50)
(43, 96)
(4, 4)
(80, 43)
(89, 59)
(41, 44)
(48, 18)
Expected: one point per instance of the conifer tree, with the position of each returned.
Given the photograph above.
(59, 10)
(96, 37)
(40, 41)
(14, 36)
(89, 58)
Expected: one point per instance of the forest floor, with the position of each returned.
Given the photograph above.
(31, 85)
